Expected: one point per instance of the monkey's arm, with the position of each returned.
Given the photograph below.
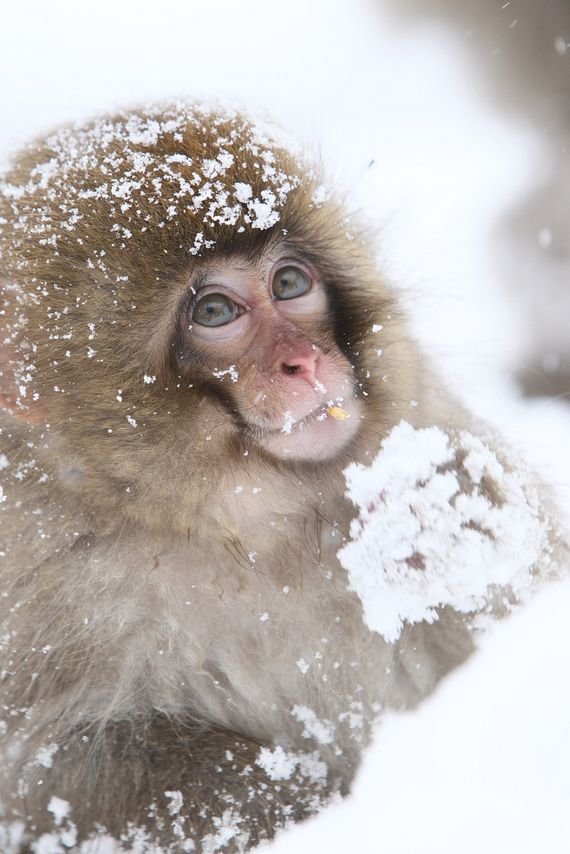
(175, 782)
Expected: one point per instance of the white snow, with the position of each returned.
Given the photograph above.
(230, 372)
(58, 808)
(288, 422)
(228, 828)
(176, 802)
(424, 540)
(320, 729)
(277, 764)
(45, 755)
(280, 764)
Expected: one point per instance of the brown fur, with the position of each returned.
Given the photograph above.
(153, 620)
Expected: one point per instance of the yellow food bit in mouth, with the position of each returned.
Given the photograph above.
(338, 413)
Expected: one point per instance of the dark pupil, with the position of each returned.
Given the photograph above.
(290, 282)
(214, 310)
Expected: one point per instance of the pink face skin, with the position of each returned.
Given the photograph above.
(266, 331)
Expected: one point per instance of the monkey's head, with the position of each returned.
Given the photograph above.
(176, 285)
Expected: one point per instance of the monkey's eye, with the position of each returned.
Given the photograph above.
(215, 310)
(290, 282)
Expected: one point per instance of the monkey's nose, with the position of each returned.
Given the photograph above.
(303, 367)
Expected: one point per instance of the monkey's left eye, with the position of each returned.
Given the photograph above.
(215, 310)
(290, 282)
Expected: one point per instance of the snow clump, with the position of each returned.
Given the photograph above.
(442, 522)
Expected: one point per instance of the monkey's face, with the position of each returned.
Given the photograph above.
(188, 300)
(258, 335)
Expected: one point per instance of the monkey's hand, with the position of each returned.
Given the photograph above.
(442, 523)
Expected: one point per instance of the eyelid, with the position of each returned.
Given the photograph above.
(292, 261)
(202, 289)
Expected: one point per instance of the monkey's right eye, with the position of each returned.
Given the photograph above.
(215, 310)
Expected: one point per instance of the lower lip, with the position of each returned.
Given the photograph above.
(317, 436)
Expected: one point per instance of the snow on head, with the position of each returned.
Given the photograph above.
(158, 167)
(442, 522)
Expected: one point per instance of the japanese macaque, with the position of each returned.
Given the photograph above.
(195, 345)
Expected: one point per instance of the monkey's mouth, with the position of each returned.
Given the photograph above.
(319, 413)
(317, 435)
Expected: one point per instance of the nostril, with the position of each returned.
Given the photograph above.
(300, 366)
(291, 369)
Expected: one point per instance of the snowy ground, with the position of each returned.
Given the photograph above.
(407, 137)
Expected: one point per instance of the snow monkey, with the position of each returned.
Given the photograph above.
(195, 346)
